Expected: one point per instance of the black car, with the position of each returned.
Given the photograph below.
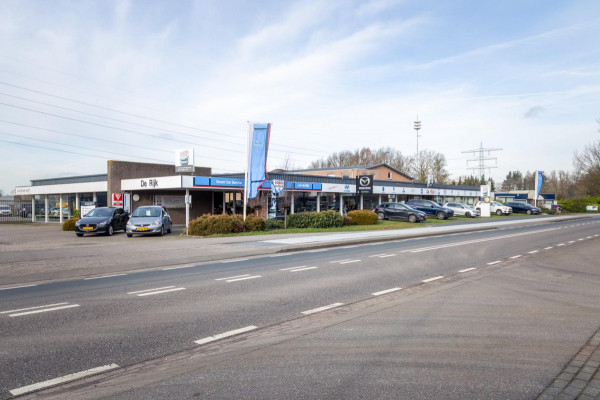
(431, 208)
(102, 220)
(399, 211)
(521, 207)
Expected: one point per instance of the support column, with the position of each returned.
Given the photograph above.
(46, 219)
(319, 202)
(292, 203)
(76, 202)
(95, 197)
(224, 203)
(362, 202)
(60, 208)
(341, 205)
(379, 199)
(33, 209)
(187, 210)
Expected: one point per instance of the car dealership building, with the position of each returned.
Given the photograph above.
(188, 196)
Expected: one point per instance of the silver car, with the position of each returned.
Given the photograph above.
(463, 210)
(149, 220)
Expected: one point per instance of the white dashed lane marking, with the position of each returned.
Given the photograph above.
(150, 292)
(435, 278)
(316, 310)
(467, 270)
(39, 309)
(226, 334)
(386, 291)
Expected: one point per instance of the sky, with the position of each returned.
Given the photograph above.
(83, 82)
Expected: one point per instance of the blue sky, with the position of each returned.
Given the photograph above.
(86, 81)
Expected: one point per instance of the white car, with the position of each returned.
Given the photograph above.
(5, 211)
(463, 209)
(495, 208)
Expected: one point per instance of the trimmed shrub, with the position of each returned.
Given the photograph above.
(363, 217)
(69, 225)
(238, 224)
(254, 223)
(274, 224)
(578, 205)
(348, 221)
(327, 219)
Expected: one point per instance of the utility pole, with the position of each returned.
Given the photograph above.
(481, 160)
(417, 128)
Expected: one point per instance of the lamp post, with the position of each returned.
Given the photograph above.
(417, 127)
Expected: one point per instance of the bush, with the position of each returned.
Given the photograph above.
(578, 205)
(274, 224)
(363, 217)
(327, 219)
(348, 221)
(69, 225)
(254, 223)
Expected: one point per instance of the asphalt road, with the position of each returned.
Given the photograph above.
(122, 319)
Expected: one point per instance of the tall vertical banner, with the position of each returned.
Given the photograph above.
(538, 184)
(256, 170)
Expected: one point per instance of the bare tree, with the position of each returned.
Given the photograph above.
(587, 166)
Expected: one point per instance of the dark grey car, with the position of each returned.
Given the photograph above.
(149, 220)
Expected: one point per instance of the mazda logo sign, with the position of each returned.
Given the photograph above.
(365, 181)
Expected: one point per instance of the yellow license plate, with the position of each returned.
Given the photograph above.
(88, 228)
(142, 229)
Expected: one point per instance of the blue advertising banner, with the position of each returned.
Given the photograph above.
(227, 182)
(257, 163)
(201, 181)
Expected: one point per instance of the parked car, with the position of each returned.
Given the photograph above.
(495, 208)
(102, 220)
(54, 212)
(431, 208)
(399, 211)
(25, 211)
(521, 207)
(463, 209)
(557, 208)
(5, 211)
(149, 220)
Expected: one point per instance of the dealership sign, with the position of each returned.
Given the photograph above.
(184, 160)
(117, 200)
(364, 184)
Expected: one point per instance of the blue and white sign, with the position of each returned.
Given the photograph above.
(227, 182)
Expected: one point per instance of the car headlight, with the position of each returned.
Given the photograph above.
(77, 223)
(157, 222)
(103, 223)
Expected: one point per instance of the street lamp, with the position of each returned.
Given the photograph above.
(417, 127)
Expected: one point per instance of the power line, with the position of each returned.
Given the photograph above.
(481, 160)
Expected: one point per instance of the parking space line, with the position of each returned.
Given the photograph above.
(62, 379)
(316, 310)
(386, 291)
(226, 334)
(467, 270)
(243, 279)
(435, 278)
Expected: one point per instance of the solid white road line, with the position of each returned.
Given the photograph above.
(43, 310)
(350, 261)
(432, 279)
(17, 287)
(243, 279)
(316, 310)
(386, 291)
(302, 269)
(33, 308)
(231, 277)
(225, 334)
(467, 270)
(494, 262)
(517, 256)
(151, 290)
(160, 291)
(63, 379)
(104, 276)
(236, 260)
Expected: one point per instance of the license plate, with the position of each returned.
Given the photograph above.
(88, 228)
(142, 229)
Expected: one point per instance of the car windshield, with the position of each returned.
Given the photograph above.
(146, 212)
(100, 212)
(434, 204)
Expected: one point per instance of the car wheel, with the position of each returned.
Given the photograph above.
(441, 215)
(129, 234)
(79, 234)
(499, 212)
(468, 214)
(412, 218)
(380, 216)
(528, 212)
(170, 229)
(110, 230)
(162, 231)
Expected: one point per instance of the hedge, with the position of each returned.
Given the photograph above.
(207, 224)
(363, 217)
(69, 225)
(578, 205)
(313, 219)
(254, 223)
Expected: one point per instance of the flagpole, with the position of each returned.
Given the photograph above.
(246, 170)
